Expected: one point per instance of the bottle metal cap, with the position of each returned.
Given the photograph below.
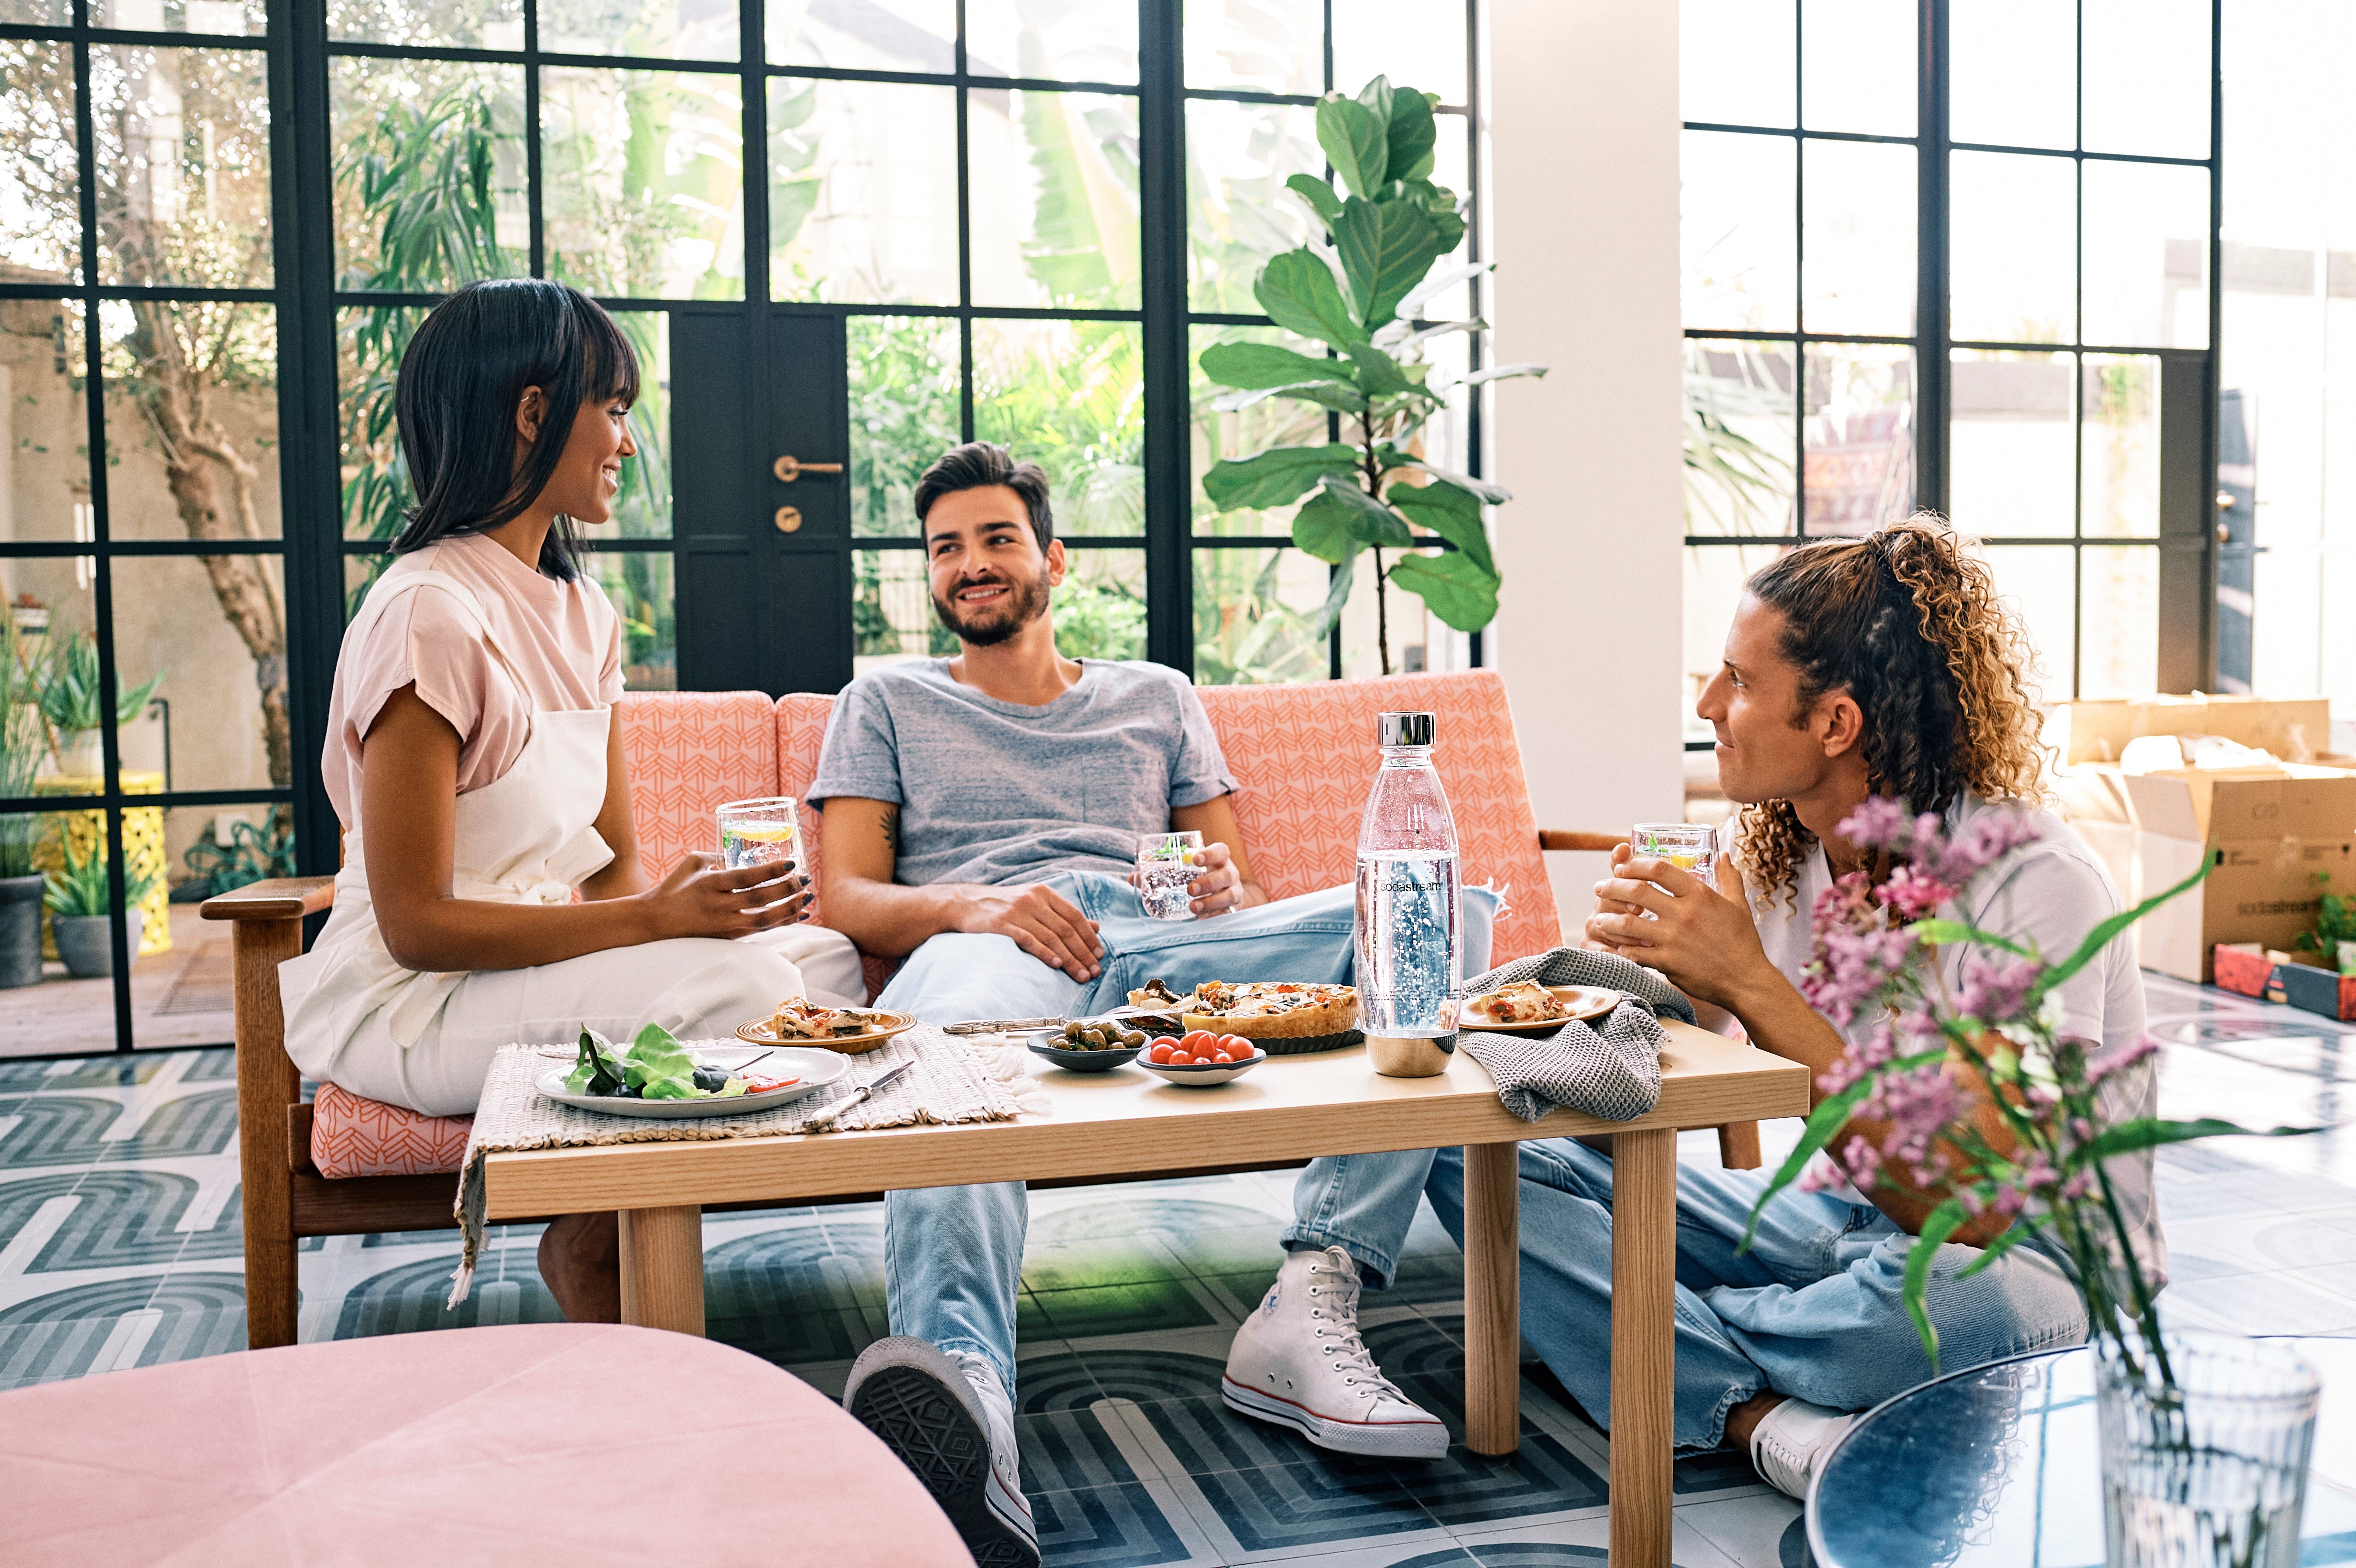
(1405, 730)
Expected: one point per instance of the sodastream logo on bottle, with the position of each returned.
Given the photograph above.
(1408, 978)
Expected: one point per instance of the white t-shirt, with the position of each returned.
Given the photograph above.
(2047, 894)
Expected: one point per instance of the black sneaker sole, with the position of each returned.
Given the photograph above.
(928, 1426)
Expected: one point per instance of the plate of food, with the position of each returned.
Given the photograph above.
(1091, 1045)
(1201, 1059)
(800, 1021)
(1283, 1017)
(1527, 1007)
(659, 1077)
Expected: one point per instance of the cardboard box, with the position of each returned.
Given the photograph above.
(2099, 731)
(2270, 831)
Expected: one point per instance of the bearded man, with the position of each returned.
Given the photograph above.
(982, 815)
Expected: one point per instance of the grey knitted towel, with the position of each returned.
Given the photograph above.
(1612, 1072)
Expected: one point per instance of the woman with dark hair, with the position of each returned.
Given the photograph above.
(474, 763)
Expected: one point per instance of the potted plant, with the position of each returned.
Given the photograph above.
(2204, 1438)
(69, 704)
(1371, 489)
(21, 750)
(81, 911)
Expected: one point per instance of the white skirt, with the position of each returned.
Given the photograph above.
(697, 987)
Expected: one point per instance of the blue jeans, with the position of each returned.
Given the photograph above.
(1814, 1308)
(953, 1256)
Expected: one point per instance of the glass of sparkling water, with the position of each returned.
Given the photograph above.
(754, 832)
(1166, 863)
(1687, 845)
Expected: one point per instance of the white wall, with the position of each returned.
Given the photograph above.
(1582, 105)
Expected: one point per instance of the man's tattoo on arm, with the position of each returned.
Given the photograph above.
(891, 830)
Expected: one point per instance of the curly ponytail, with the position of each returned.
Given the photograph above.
(1906, 622)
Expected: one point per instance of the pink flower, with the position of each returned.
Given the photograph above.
(1914, 893)
(1879, 822)
(1995, 984)
(2120, 1059)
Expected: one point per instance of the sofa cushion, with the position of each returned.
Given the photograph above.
(1303, 758)
(355, 1136)
(690, 752)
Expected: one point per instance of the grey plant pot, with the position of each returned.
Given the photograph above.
(20, 931)
(87, 946)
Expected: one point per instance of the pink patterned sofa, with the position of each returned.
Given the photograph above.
(1303, 758)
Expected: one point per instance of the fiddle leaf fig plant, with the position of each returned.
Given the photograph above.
(1385, 228)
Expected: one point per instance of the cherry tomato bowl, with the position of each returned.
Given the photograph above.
(1191, 1070)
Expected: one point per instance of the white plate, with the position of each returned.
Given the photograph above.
(815, 1069)
(1582, 1003)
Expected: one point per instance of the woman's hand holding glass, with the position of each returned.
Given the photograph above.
(702, 898)
(1701, 937)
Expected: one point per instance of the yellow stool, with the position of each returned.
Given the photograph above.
(143, 847)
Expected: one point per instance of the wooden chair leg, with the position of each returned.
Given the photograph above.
(1738, 1146)
(267, 1083)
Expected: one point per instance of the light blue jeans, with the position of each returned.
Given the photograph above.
(953, 1256)
(1815, 1309)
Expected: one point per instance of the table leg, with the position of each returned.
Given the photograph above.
(662, 1268)
(1493, 1298)
(1643, 1344)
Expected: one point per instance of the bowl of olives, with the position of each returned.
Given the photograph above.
(1091, 1045)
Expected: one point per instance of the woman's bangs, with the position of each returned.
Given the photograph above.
(613, 362)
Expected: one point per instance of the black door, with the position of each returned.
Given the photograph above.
(760, 441)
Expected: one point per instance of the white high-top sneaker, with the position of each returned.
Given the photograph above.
(951, 1421)
(1298, 1362)
(1793, 1441)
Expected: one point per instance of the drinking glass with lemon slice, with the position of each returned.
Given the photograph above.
(1687, 845)
(755, 832)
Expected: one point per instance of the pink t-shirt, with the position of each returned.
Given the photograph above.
(562, 639)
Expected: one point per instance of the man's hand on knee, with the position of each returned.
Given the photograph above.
(1041, 922)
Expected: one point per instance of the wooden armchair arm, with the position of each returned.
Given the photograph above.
(280, 898)
(1557, 839)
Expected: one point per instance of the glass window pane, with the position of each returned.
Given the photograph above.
(892, 617)
(2122, 446)
(1859, 227)
(1451, 170)
(2011, 473)
(673, 29)
(232, 16)
(1734, 63)
(2119, 614)
(863, 192)
(1736, 230)
(1414, 42)
(1069, 396)
(182, 995)
(44, 436)
(370, 341)
(2014, 78)
(1858, 68)
(2146, 255)
(902, 372)
(1239, 213)
(210, 635)
(191, 421)
(1256, 614)
(1076, 40)
(40, 196)
(38, 13)
(2013, 239)
(361, 572)
(1256, 45)
(184, 166)
(1713, 587)
(410, 136)
(2038, 583)
(643, 188)
(640, 585)
(1100, 609)
(2147, 76)
(881, 34)
(1063, 231)
(1860, 437)
(1241, 432)
(429, 24)
(642, 509)
(1740, 469)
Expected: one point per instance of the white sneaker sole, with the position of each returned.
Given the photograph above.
(912, 1396)
(1425, 1439)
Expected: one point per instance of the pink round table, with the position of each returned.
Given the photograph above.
(583, 1444)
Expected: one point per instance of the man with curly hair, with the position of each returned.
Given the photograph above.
(1876, 667)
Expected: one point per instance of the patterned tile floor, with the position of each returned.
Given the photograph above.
(119, 1248)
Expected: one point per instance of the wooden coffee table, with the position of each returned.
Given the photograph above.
(1130, 1125)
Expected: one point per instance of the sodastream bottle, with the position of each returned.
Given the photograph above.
(1407, 978)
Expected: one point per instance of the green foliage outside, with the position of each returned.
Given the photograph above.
(2335, 923)
(22, 746)
(1372, 490)
(69, 697)
(80, 889)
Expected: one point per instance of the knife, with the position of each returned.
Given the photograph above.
(865, 1090)
(1002, 1025)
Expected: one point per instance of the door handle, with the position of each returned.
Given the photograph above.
(790, 468)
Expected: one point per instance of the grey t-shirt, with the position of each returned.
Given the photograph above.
(998, 793)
